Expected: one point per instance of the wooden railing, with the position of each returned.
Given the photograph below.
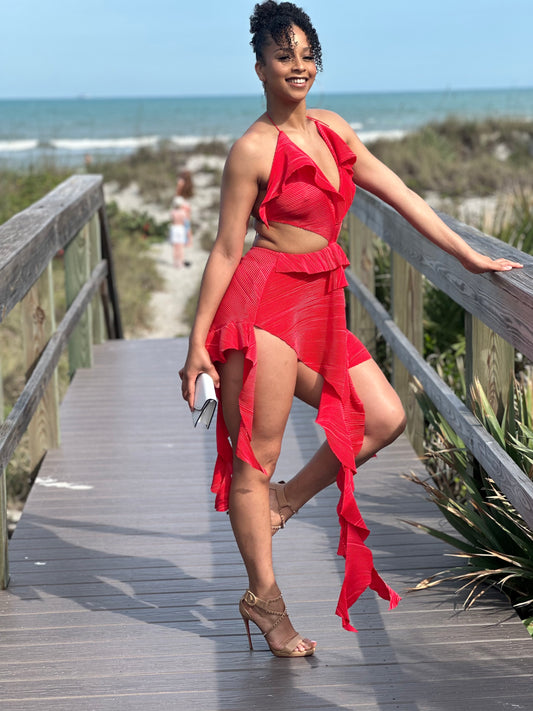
(71, 219)
(499, 319)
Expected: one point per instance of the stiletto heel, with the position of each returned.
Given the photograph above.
(282, 503)
(289, 647)
(247, 626)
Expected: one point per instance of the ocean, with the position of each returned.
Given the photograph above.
(65, 130)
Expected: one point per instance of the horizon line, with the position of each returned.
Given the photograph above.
(128, 97)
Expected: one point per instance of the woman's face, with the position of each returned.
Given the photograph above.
(288, 71)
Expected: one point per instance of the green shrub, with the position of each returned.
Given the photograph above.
(494, 540)
(462, 158)
(20, 189)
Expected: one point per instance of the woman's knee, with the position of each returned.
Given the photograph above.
(267, 454)
(389, 425)
(397, 420)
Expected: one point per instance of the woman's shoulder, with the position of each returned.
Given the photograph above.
(255, 145)
(334, 121)
(254, 140)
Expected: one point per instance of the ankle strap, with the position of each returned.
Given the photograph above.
(254, 601)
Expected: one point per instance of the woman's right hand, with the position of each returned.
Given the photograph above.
(198, 361)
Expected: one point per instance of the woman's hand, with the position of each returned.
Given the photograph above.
(198, 361)
(478, 263)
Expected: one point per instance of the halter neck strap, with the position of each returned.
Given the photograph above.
(309, 118)
(272, 122)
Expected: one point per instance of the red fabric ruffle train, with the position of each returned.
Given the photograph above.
(300, 299)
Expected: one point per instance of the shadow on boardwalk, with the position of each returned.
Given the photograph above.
(125, 582)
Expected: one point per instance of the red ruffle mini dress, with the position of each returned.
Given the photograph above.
(300, 299)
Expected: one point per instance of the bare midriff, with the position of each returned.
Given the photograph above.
(288, 238)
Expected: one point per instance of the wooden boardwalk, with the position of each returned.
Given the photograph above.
(125, 582)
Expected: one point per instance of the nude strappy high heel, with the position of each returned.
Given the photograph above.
(289, 647)
(281, 499)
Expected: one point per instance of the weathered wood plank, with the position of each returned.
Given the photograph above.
(4, 562)
(38, 325)
(77, 266)
(95, 257)
(245, 688)
(136, 605)
(362, 264)
(407, 306)
(490, 360)
(29, 240)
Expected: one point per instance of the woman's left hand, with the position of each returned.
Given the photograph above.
(478, 263)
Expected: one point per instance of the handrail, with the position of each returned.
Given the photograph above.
(502, 301)
(32, 238)
(71, 219)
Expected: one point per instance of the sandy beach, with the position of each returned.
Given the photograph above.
(167, 306)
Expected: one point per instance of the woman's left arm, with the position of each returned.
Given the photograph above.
(372, 175)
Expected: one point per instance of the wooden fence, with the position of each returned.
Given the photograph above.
(71, 221)
(499, 319)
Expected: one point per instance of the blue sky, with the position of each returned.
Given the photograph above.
(65, 48)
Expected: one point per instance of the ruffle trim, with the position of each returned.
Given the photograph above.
(238, 337)
(360, 572)
(289, 158)
(331, 259)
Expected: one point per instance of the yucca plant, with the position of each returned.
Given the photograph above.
(494, 541)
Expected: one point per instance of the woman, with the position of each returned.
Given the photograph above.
(179, 231)
(272, 325)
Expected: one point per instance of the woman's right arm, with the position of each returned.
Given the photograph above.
(238, 195)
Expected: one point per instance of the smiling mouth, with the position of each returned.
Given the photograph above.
(299, 81)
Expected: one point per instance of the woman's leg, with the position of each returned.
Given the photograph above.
(249, 494)
(384, 422)
(177, 252)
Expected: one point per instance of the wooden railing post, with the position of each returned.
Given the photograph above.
(1, 393)
(4, 561)
(95, 255)
(38, 325)
(490, 359)
(407, 312)
(361, 256)
(77, 270)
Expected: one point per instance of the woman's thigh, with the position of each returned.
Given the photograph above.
(384, 412)
(382, 404)
(273, 394)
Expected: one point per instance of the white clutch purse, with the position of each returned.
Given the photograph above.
(205, 400)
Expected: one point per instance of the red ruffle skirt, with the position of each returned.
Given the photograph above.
(300, 299)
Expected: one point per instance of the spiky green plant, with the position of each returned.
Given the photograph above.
(494, 541)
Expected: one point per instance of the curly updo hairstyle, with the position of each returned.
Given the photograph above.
(273, 21)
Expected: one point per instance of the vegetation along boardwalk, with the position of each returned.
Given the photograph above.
(125, 582)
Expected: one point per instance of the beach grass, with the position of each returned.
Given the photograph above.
(458, 158)
(153, 170)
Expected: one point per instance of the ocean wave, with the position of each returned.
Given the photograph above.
(88, 145)
(94, 144)
(20, 145)
(391, 135)
(126, 144)
(192, 141)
